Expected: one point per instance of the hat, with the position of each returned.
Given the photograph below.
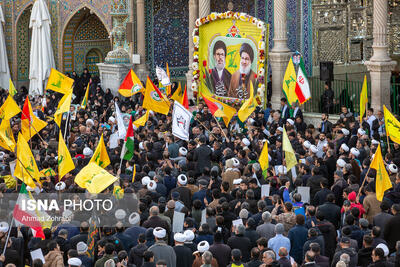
(2, 155)
(179, 237)
(60, 186)
(203, 246)
(345, 240)
(175, 195)
(189, 235)
(112, 119)
(182, 179)
(203, 182)
(159, 232)
(171, 204)
(280, 129)
(355, 151)
(237, 181)
(183, 151)
(89, 121)
(134, 218)
(141, 146)
(345, 131)
(384, 248)
(344, 147)
(120, 214)
(307, 144)
(361, 131)
(246, 141)
(364, 222)
(392, 168)
(81, 247)
(3, 227)
(87, 152)
(341, 163)
(74, 262)
(352, 196)
(146, 180)
(151, 186)
(290, 121)
(313, 149)
(375, 142)
(236, 162)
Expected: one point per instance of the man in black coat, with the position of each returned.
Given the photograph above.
(220, 251)
(184, 255)
(255, 259)
(155, 220)
(184, 192)
(314, 182)
(391, 233)
(321, 196)
(82, 236)
(325, 126)
(321, 261)
(202, 155)
(364, 254)
(383, 217)
(241, 242)
(331, 211)
(345, 248)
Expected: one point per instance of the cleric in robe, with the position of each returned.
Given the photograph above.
(246, 59)
(221, 77)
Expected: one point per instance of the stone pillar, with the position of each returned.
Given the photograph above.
(280, 53)
(193, 11)
(380, 65)
(141, 70)
(204, 8)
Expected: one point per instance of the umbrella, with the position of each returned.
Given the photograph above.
(41, 58)
(4, 69)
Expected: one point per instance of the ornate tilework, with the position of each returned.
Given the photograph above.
(238, 6)
(23, 45)
(307, 36)
(291, 7)
(7, 9)
(54, 28)
(91, 29)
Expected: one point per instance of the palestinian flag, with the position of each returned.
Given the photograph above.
(28, 217)
(127, 150)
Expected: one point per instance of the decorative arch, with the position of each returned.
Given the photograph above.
(93, 57)
(23, 43)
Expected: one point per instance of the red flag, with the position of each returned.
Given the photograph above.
(26, 114)
(129, 132)
(185, 101)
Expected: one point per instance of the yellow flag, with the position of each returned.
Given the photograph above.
(168, 89)
(30, 124)
(142, 120)
(248, 106)
(219, 109)
(7, 140)
(9, 109)
(94, 178)
(263, 160)
(47, 172)
(133, 173)
(289, 83)
(58, 82)
(392, 125)
(63, 106)
(9, 181)
(363, 98)
(178, 94)
(85, 99)
(11, 90)
(382, 181)
(100, 156)
(29, 169)
(290, 156)
(154, 100)
(118, 192)
(64, 160)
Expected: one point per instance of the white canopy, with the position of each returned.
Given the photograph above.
(41, 57)
(4, 69)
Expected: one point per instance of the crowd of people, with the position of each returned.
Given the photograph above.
(342, 224)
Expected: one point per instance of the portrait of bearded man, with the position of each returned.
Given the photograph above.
(221, 77)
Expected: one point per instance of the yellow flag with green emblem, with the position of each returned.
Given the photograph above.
(290, 156)
(263, 160)
(178, 94)
(289, 83)
(63, 106)
(248, 106)
(64, 160)
(58, 82)
(29, 169)
(85, 98)
(100, 156)
(392, 125)
(382, 181)
(363, 98)
(7, 140)
(11, 90)
(9, 109)
(142, 120)
(94, 178)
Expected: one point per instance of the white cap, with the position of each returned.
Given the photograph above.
(81, 247)
(384, 248)
(355, 151)
(280, 129)
(282, 169)
(290, 121)
(344, 147)
(237, 181)
(189, 235)
(246, 141)
(179, 237)
(146, 180)
(307, 144)
(313, 149)
(236, 162)
(120, 214)
(74, 261)
(361, 131)
(393, 168)
(2, 155)
(141, 146)
(182, 179)
(345, 131)
(159, 232)
(89, 121)
(183, 151)
(375, 142)
(134, 218)
(151, 186)
(112, 119)
(87, 152)
(3, 227)
(203, 246)
(341, 163)
(60, 186)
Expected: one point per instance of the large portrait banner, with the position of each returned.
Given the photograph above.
(229, 54)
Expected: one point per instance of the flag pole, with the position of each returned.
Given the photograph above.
(362, 185)
(205, 127)
(66, 126)
(226, 137)
(387, 139)
(8, 236)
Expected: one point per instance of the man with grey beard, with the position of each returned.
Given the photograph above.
(221, 77)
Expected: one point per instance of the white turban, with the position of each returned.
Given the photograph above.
(159, 232)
